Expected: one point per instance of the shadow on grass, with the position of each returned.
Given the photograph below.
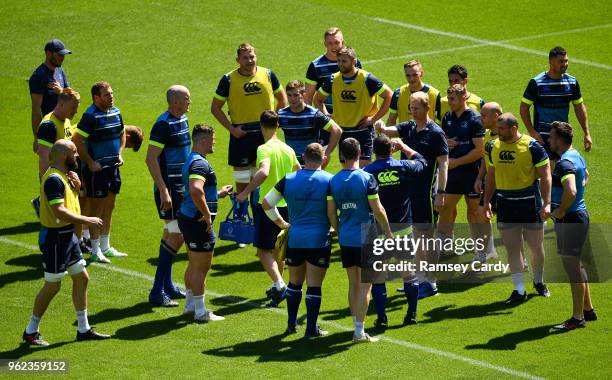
(275, 349)
(182, 255)
(34, 272)
(511, 340)
(152, 329)
(229, 269)
(24, 228)
(25, 349)
(116, 314)
(234, 305)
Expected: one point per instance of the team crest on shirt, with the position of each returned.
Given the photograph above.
(348, 96)
(252, 88)
(506, 156)
(387, 177)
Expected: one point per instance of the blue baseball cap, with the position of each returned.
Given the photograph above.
(57, 46)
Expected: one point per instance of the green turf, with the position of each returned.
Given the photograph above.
(143, 49)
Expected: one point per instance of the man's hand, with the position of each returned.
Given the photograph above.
(558, 213)
(452, 163)
(237, 132)
(94, 166)
(74, 180)
(120, 162)
(225, 191)
(35, 146)
(478, 185)
(439, 202)
(545, 212)
(92, 221)
(325, 161)
(166, 200)
(55, 86)
(208, 221)
(588, 143)
(452, 143)
(485, 211)
(366, 122)
(242, 197)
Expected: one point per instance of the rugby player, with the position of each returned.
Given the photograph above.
(274, 159)
(195, 219)
(58, 243)
(309, 246)
(571, 218)
(355, 95)
(488, 115)
(463, 128)
(426, 198)
(458, 74)
(100, 140)
(302, 123)
(520, 172)
(167, 152)
(46, 83)
(551, 93)
(395, 179)
(354, 193)
(400, 102)
(248, 91)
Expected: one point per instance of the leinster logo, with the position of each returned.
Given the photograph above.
(387, 178)
(252, 88)
(506, 156)
(348, 96)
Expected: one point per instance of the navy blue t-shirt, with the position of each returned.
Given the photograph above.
(463, 128)
(39, 81)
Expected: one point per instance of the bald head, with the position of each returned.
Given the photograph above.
(507, 127)
(489, 114)
(60, 151)
(175, 93)
(507, 119)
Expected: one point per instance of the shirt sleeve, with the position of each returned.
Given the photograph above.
(54, 190)
(311, 75)
(358, 64)
(223, 88)
(276, 86)
(198, 170)
(66, 83)
(441, 145)
(375, 86)
(490, 153)
(326, 87)
(564, 169)
(477, 128)
(322, 121)
(415, 165)
(372, 189)
(263, 154)
(531, 92)
(394, 99)
(160, 133)
(576, 95)
(37, 84)
(86, 125)
(539, 157)
(46, 134)
(280, 186)
(438, 108)
(329, 196)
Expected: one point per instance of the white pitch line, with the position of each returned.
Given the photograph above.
(532, 37)
(337, 326)
(483, 42)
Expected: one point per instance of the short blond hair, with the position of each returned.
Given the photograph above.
(413, 63)
(68, 94)
(456, 89)
(243, 47)
(420, 97)
(347, 51)
(332, 31)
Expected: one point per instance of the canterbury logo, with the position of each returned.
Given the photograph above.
(251, 87)
(387, 177)
(348, 95)
(488, 147)
(506, 155)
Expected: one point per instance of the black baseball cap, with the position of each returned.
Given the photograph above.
(57, 46)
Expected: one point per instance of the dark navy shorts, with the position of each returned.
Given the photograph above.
(351, 256)
(572, 232)
(99, 184)
(318, 257)
(177, 198)
(461, 181)
(243, 151)
(366, 141)
(266, 231)
(194, 232)
(519, 207)
(60, 248)
(424, 216)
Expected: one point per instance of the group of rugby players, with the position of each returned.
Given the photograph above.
(451, 147)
